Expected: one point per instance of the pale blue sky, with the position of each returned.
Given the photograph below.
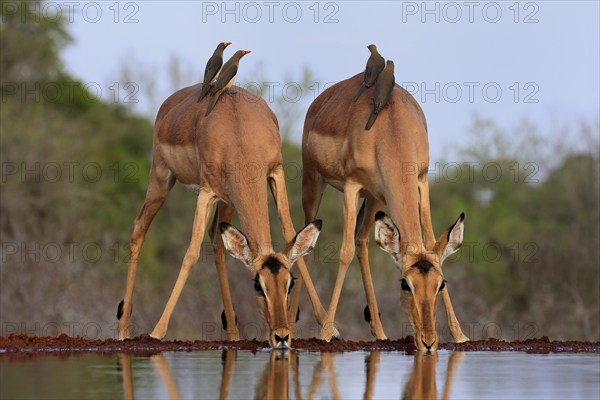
(460, 52)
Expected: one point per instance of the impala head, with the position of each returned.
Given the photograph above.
(422, 277)
(272, 276)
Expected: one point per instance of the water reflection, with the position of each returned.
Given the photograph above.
(324, 364)
(282, 370)
(242, 374)
(273, 383)
(371, 365)
(422, 381)
(228, 358)
(161, 367)
(125, 368)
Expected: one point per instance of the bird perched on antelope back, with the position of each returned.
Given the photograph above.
(213, 67)
(225, 79)
(383, 89)
(375, 65)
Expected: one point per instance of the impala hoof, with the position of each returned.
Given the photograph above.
(335, 335)
(327, 336)
(462, 339)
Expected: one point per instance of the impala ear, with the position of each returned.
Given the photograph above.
(304, 241)
(387, 235)
(236, 244)
(450, 241)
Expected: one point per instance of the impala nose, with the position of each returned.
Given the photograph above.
(281, 342)
(429, 346)
(280, 338)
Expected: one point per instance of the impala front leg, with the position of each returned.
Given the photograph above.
(346, 254)
(277, 183)
(454, 325)
(204, 206)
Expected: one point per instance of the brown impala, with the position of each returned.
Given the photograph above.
(227, 159)
(387, 166)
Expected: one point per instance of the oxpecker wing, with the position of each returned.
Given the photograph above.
(383, 89)
(375, 65)
(213, 67)
(225, 79)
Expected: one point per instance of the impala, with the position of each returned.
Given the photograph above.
(204, 154)
(387, 166)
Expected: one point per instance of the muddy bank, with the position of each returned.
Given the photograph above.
(144, 344)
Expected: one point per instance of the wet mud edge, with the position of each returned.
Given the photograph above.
(22, 344)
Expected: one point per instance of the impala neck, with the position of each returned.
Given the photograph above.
(405, 212)
(253, 212)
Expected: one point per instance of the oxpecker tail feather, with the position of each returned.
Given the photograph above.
(206, 89)
(213, 101)
(371, 120)
(360, 90)
(203, 92)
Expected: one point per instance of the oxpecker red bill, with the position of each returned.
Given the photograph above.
(225, 79)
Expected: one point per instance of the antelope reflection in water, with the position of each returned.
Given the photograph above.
(124, 367)
(325, 363)
(274, 381)
(422, 382)
(161, 366)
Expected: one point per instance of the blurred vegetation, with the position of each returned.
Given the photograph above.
(74, 174)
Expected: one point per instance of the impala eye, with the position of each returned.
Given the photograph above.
(258, 287)
(442, 286)
(404, 285)
(292, 283)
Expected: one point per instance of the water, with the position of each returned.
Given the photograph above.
(240, 375)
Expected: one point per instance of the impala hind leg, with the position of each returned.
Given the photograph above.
(351, 194)
(365, 220)
(278, 188)
(204, 206)
(224, 213)
(313, 186)
(160, 183)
